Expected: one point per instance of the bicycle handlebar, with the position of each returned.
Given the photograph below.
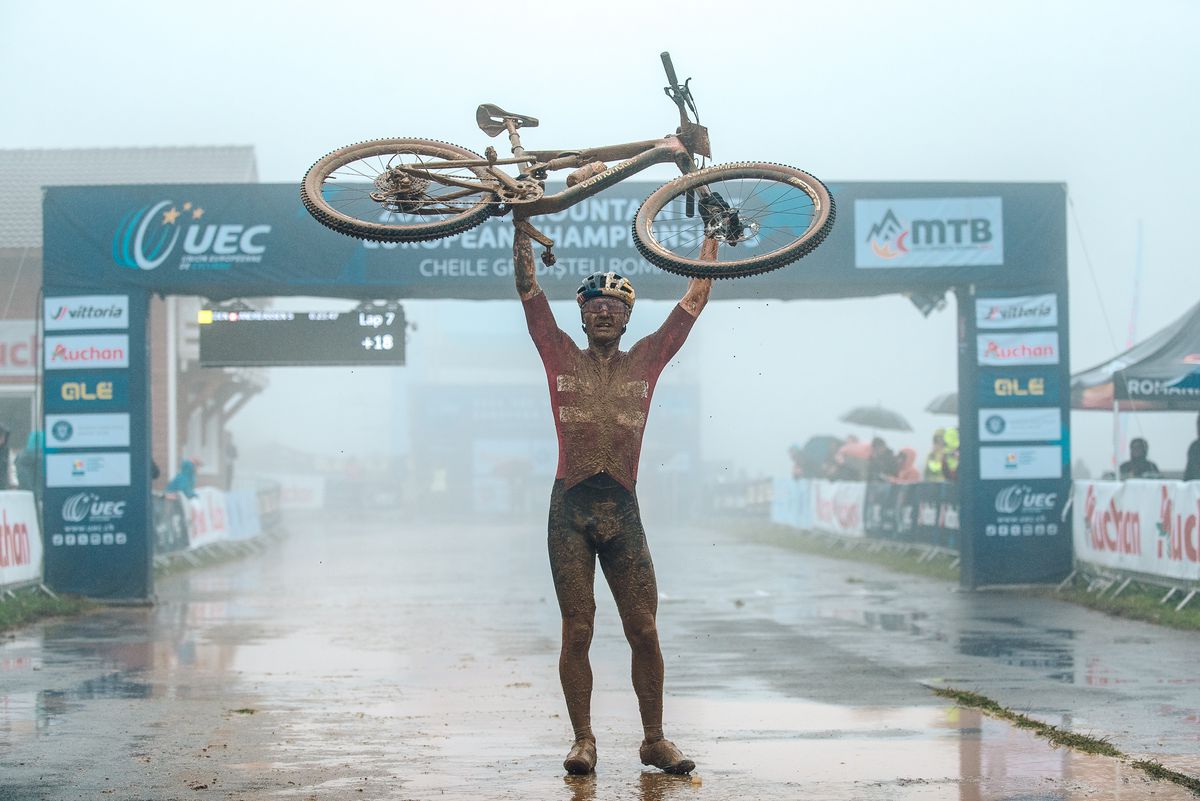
(670, 68)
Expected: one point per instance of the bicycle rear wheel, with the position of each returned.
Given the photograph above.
(363, 191)
(765, 215)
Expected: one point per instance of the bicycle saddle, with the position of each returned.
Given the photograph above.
(491, 119)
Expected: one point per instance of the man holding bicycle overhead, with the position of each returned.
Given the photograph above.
(600, 397)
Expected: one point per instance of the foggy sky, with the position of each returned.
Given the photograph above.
(1094, 94)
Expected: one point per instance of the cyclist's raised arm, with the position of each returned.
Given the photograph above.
(698, 289)
(523, 266)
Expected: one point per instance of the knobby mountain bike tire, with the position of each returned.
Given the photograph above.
(791, 213)
(337, 192)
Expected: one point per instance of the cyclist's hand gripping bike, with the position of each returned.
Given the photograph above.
(408, 190)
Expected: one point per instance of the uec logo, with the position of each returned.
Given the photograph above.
(147, 237)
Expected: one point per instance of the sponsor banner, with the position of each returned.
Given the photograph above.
(170, 523)
(1150, 527)
(1029, 311)
(20, 539)
(790, 499)
(1018, 386)
(1020, 425)
(208, 519)
(837, 506)
(87, 430)
(915, 513)
(18, 348)
(1024, 509)
(90, 312)
(87, 469)
(929, 232)
(1033, 461)
(1181, 391)
(1007, 350)
(87, 351)
(297, 491)
(72, 393)
(89, 518)
(242, 507)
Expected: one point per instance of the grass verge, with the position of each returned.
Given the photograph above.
(1135, 603)
(25, 606)
(1060, 737)
(902, 561)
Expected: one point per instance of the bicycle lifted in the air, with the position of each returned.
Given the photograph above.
(409, 190)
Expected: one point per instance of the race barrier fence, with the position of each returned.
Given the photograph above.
(20, 540)
(214, 516)
(1143, 530)
(910, 514)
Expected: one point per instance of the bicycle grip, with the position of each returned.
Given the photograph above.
(669, 67)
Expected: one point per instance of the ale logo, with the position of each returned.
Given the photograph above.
(147, 237)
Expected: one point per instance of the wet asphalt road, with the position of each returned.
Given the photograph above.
(372, 658)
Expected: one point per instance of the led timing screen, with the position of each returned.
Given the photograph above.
(273, 338)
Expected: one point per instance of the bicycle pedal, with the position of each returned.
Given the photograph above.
(548, 258)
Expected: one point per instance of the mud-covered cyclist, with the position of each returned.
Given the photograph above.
(600, 397)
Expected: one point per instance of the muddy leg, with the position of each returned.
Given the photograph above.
(625, 559)
(573, 565)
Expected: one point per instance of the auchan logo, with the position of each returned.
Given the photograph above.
(1178, 531)
(148, 236)
(91, 353)
(1111, 528)
(86, 351)
(1005, 350)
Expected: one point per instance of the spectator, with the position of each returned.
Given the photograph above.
(882, 464)
(1192, 471)
(8, 465)
(935, 463)
(951, 459)
(850, 460)
(184, 482)
(1138, 465)
(907, 473)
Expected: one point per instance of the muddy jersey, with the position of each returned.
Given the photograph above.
(600, 407)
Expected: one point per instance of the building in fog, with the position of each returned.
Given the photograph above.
(190, 406)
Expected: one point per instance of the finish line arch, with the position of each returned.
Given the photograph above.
(1001, 248)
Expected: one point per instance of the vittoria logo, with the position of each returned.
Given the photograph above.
(147, 237)
(1034, 311)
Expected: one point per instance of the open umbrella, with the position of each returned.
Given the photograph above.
(946, 403)
(876, 417)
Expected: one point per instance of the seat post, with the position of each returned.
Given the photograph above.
(514, 138)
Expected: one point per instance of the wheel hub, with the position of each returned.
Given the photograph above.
(399, 191)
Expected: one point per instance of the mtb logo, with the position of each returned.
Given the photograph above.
(935, 232)
(148, 236)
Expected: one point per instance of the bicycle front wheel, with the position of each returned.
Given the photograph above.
(764, 215)
(382, 191)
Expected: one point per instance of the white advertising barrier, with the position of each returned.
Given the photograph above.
(298, 491)
(208, 518)
(242, 506)
(20, 539)
(837, 506)
(791, 503)
(1150, 527)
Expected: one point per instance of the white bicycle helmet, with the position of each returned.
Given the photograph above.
(606, 285)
